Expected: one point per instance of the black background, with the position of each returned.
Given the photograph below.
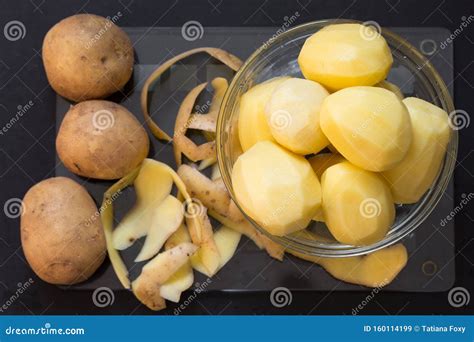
(27, 151)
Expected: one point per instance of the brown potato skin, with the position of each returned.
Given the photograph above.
(61, 232)
(107, 153)
(87, 57)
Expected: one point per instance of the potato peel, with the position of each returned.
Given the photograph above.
(184, 277)
(166, 219)
(157, 271)
(223, 56)
(377, 269)
(182, 144)
(213, 195)
(107, 217)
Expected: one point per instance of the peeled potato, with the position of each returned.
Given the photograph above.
(392, 87)
(152, 185)
(253, 125)
(345, 55)
(373, 270)
(166, 219)
(322, 161)
(357, 204)
(292, 114)
(415, 174)
(277, 188)
(369, 126)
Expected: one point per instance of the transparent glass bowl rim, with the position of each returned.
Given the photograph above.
(424, 207)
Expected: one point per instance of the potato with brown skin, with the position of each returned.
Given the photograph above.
(101, 139)
(87, 57)
(61, 232)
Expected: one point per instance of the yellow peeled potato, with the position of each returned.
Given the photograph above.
(252, 123)
(345, 55)
(392, 87)
(357, 204)
(293, 115)
(277, 188)
(411, 178)
(369, 126)
(322, 161)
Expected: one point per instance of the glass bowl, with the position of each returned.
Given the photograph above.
(278, 57)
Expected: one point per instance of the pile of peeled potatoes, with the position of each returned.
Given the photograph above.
(383, 148)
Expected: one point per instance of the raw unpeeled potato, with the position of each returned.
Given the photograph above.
(292, 114)
(357, 204)
(101, 139)
(345, 55)
(415, 174)
(369, 126)
(152, 185)
(277, 188)
(377, 269)
(87, 57)
(252, 123)
(61, 232)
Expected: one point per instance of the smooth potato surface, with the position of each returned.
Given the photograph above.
(345, 55)
(61, 231)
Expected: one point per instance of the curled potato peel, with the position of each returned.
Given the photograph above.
(159, 270)
(184, 277)
(107, 217)
(225, 57)
(106, 212)
(377, 269)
